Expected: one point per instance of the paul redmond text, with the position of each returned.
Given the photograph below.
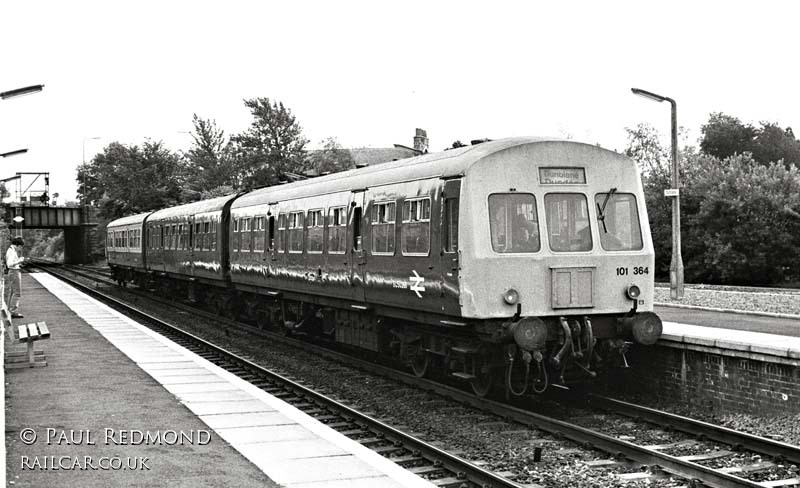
(128, 437)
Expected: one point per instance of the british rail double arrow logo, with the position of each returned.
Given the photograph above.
(417, 287)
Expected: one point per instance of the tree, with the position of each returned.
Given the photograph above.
(332, 158)
(125, 180)
(724, 136)
(773, 144)
(644, 147)
(273, 147)
(211, 163)
(746, 229)
(46, 243)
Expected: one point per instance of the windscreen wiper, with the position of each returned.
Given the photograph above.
(601, 210)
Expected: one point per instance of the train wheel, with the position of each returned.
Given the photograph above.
(484, 379)
(420, 362)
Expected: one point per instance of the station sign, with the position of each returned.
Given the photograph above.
(671, 192)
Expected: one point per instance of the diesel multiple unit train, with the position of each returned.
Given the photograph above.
(520, 262)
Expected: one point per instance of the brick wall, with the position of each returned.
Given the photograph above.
(705, 380)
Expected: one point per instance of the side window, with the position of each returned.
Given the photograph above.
(280, 245)
(206, 236)
(198, 237)
(450, 225)
(416, 231)
(568, 228)
(244, 234)
(337, 230)
(513, 223)
(383, 217)
(296, 232)
(161, 231)
(258, 234)
(235, 235)
(213, 233)
(315, 230)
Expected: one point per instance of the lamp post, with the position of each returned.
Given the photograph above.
(13, 153)
(18, 92)
(676, 264)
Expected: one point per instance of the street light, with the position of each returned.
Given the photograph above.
(13, 153)
(21, 91)
(676, 264)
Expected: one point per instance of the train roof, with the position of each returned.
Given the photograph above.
(203, 206)
(448, 163)
(130, 219)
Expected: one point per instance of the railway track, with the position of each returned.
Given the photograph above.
(652, 458)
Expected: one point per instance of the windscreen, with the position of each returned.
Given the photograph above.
(568, 227)
(618, 222)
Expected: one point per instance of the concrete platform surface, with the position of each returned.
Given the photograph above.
(735, 340)
(89, 386)
(292, 448)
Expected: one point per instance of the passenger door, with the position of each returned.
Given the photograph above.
(449, 253)
(272, 232)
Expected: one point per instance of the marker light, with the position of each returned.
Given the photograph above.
(633, 292)
(511, 296)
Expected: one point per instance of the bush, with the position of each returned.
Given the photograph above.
(741, 221)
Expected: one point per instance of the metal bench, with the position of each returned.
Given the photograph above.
(29, 334)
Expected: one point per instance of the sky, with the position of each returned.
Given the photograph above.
(369, 73)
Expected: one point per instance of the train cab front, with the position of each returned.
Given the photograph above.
(568, 260)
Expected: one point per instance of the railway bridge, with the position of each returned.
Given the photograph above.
(78, 223)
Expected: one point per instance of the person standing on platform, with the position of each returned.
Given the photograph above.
(14, 262)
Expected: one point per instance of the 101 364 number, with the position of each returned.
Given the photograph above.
(637, 270)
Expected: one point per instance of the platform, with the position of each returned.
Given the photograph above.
(741, 343)
(114, 388)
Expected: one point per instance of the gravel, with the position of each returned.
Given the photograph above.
(783, 301)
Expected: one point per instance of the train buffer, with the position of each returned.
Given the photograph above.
(28, 334)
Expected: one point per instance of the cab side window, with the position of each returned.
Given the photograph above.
(513, 223)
